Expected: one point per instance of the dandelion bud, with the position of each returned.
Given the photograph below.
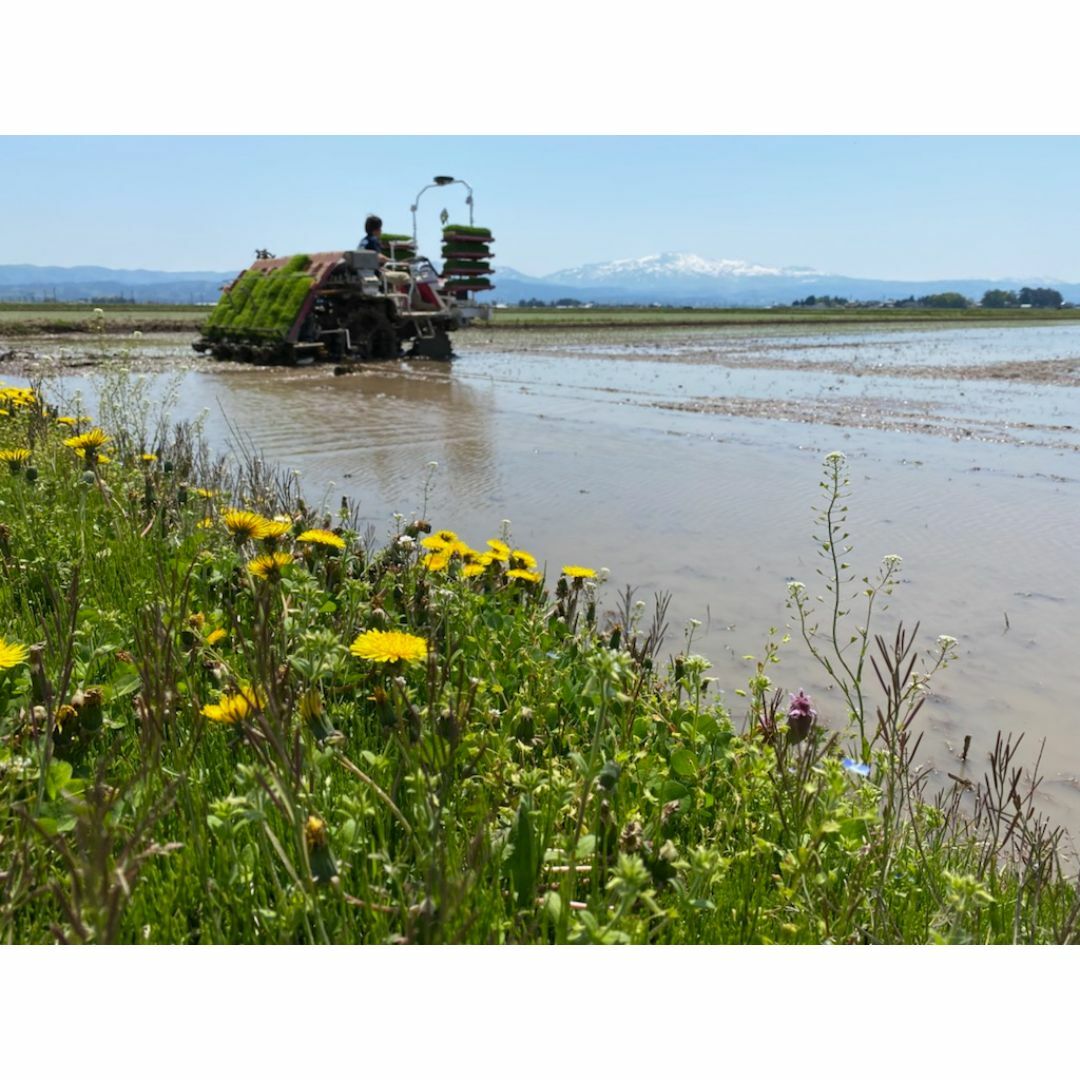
(65, 717)
(608, 776)
(801, 717)
(315, 832)
(631, 837)
(88, 706)
(31, 474)
(526, 729)
(317, 840)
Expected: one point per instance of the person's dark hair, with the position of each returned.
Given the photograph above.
(373, 222)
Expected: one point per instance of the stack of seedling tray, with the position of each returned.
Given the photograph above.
(466, 253)
(262, 303)
(398, 246)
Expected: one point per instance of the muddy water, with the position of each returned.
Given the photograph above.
(689, 461)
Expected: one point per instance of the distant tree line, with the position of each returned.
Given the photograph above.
(1040, 298)
(822, 301)
(567, 301)
(992, 298)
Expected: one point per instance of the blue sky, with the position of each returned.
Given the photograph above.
(870, 207)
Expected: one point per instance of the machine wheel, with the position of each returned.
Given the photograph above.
(433, 348)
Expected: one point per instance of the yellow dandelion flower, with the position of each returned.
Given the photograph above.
(215, 636)
(269, 566)
(15, 458)
(525, 575)
(234, 708)
(274, 530)
(435, 543)
(311, 706)
(207, 493)
(389, 646)
(17, 396)
(94, 439)
(436, 561)
(12, 654)
(205, 523)
(499, 549)
(67, 421)
(445, 535)
(102, 459)
(322, 536)
(244, 524)
(579, 573)
(522, 560)
(149, 457)
(473, 570)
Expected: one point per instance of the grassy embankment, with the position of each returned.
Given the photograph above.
(204, 736)
(27, 320)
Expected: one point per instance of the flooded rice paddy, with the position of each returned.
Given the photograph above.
(688, 461)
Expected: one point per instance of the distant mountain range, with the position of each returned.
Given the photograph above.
(668, 278)
(679, 278)
(25, 282)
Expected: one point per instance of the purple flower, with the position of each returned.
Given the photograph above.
(801, 716)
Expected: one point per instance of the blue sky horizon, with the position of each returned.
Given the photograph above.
(901, 208)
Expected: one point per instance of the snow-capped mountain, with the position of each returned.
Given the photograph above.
(685, 278)
(669, 266)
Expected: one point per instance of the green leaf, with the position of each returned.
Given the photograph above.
(525, 860)
(684, 762)
(57, 778)
(672, 789)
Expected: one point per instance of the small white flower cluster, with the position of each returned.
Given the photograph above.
(406, 542)
(946, 642)
(892, 562)
(835, 458)
(796, 587)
